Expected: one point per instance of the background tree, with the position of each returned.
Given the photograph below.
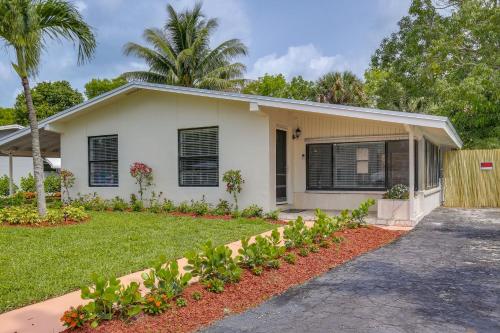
(341, 88)
(277, 86)
(96, 87)
(49, 98)
(7, 116)
(26, 26)
(444, 63)
(180, 54)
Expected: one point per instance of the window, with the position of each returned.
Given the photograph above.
(432, 165)
(103, 160)
(346, 166)
(199, 157)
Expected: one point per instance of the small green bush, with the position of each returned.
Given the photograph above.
(263, 252)
(290, 258)
(165, 278)
(358, 215)
(273, 215)
(222, 208)
(199, 208)
(168, 206)
(303, 252)
(76, 214)
(118, 204)
(19, 215)
(214, 285)
(252, 211)
(181, 302)
(52, 183)
(137, 206)
(196, 296)
(4, 186)
(28, 183)
(184, 207)
(103, 295)
(156, 303)
(91, 202)
(296, 234)
(397, 192)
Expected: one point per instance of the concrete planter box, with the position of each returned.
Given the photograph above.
(393, 212)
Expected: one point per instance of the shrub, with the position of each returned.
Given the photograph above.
(214, 285)
(17, 199)
(303, 252)
(67, 181)
(74, 213)
(155, 303)
(91, 202)
(154, 203)
(130, 301)
(75, 317)
(166, 279)
(213, 263)
(252, 211)
(118, 204)
(28, 183)
(196, 296)
(181, 302)
(104, 294)
(20, 215)
(52, 183)
(184, 207)
(135, 204)
(168, 206)
(290, 258)
(199, 207)
(54, 216)
(5, 186)
(222, 208)
(296, 234)
(313, 249)
(263, 252)
(322, 228)
(143, 176)
(273, 215)
(234, 182)
(358, 215)
(399, 191)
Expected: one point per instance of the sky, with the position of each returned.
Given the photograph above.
(293, 37)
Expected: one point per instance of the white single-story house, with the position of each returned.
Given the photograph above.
(17, 167)
(292, 154)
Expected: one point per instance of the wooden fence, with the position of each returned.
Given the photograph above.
(466, 184)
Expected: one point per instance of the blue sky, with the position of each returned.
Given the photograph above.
(294, 37)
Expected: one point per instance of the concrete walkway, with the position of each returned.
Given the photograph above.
(444, 276)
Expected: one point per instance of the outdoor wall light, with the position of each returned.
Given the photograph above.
(296, 133)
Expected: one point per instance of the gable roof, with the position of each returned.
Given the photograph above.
(406, 118)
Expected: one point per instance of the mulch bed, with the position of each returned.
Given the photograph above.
(43, 224)
(253, 290)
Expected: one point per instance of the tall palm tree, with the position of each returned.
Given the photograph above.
(180, 54)
(25, 27)
(341, 88)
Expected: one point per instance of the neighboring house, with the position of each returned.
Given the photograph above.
(292, 154)
(22, 166)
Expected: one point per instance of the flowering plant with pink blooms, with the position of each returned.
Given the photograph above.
(143, 175)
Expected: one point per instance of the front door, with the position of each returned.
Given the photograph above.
(281, 166)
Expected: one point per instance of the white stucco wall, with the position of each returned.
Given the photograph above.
(22, 166)
(147, 125)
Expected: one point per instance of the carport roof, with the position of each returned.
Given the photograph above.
(406, 118)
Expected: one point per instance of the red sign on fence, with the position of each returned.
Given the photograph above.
(486, 165)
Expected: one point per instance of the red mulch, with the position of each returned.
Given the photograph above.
(43, 224)
(253, 290)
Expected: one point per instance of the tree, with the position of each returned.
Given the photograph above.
(180, 54)
(49, 98)
(7, 116)
(444, 64)
(26, 27)
(277, 86)
(96, 87)
(341, 88)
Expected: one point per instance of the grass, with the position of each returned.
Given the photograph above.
(40, 263)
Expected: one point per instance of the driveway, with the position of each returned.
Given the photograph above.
(444, 276)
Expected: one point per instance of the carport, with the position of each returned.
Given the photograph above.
(18, 144)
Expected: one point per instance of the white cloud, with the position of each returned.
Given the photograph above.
(305, 60)
(81, 6)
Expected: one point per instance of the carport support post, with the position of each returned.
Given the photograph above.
(11, 174)
(411, 153)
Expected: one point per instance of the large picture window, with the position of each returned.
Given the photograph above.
(359, 166)
(346, 166)
(432, 165)
(199, 157)
(103, 160)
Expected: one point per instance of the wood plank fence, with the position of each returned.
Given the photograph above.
(466, 184)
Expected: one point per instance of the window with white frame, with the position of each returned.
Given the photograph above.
(199, 157)
(432, 165)
(103, 161)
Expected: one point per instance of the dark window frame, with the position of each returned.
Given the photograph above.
(89, 138)
(432, 165)
(386, 167)
(180, 158)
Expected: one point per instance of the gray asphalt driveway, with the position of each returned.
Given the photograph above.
(444, 276)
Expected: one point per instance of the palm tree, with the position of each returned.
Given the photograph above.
(341, 88)
(180, 54)
(25, 27)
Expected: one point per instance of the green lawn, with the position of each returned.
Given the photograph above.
(40, 263)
